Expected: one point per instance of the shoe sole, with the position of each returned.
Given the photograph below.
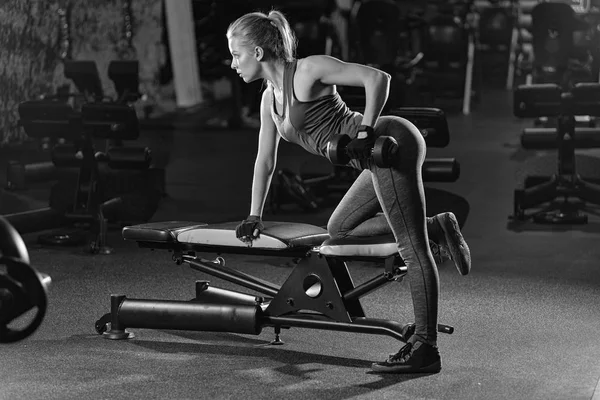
(461, 254)
(407, 369)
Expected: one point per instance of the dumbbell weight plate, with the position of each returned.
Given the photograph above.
(28, 292)
(336, 150)
(385, 151)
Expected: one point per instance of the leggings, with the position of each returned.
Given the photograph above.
(399, 192)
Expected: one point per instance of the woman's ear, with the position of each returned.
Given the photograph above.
(259, 53)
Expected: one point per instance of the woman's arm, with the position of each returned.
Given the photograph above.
(266, 158)
(331, 71)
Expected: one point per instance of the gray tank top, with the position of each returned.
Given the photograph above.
(312, 124)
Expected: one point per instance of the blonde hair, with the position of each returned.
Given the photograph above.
(270, 31)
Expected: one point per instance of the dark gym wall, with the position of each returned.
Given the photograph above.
(30, 63)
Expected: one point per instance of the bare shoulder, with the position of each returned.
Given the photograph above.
(314, 65)
(328, 70)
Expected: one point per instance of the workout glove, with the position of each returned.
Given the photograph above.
(361, 149)
(250, 228)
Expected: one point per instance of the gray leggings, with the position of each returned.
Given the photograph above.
(399, 192)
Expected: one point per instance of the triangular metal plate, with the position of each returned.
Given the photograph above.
(310, 286)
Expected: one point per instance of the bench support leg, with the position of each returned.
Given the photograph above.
(310, 286)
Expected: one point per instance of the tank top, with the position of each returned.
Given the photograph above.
(311, 124)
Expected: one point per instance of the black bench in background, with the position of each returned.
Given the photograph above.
(93, 143)
(551, 197)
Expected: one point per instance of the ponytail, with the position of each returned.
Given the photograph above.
(287, 50)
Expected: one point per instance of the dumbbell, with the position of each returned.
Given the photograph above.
(384, 150)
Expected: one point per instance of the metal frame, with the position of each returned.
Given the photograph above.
(318, 294)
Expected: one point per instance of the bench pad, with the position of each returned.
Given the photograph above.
(277, 235)
(158, 232)
(368, 247)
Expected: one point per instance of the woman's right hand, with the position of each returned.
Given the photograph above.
(249, 229)
(361, 147)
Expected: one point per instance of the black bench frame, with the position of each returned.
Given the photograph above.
(319, 293)
(540, 194)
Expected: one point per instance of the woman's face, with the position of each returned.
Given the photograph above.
(244, 60)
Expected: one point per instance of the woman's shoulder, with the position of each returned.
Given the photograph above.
(310, 62)
(318, 64)
(311, 68)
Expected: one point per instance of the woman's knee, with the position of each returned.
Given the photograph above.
(334, 225)
(399, 128)
(331, 229)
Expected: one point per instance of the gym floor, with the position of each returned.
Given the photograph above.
(526, 319)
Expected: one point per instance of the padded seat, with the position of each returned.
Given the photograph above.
(279, 237)
(369, 247)
(159, 232)
(276, 235)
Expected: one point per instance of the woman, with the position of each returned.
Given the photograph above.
(300, 104)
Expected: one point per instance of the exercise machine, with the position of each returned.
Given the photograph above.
(555, 193)
(496, 37)
(379, 39)
(84, 74)
(93, 142)
(553, 25)
(319, 293)
(22, 287)
(311, 22)
(448, 69)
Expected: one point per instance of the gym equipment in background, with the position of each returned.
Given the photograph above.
(379, 39)
(496, 38)
(84, 74)
(93, 147)
(448, 69)
(211, 19)
(565, 30)
(311, 23)
(559, 58)
(22, 288)
(553, 25)
(319, 293)
(557, 194)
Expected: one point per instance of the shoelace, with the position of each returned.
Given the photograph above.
(440, 254)
(402, 355)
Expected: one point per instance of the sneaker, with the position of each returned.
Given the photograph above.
(412, 358)
(453, 242)
(440, 254)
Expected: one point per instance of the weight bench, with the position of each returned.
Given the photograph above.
(319, 293)
(551, 197)
(86, 198)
